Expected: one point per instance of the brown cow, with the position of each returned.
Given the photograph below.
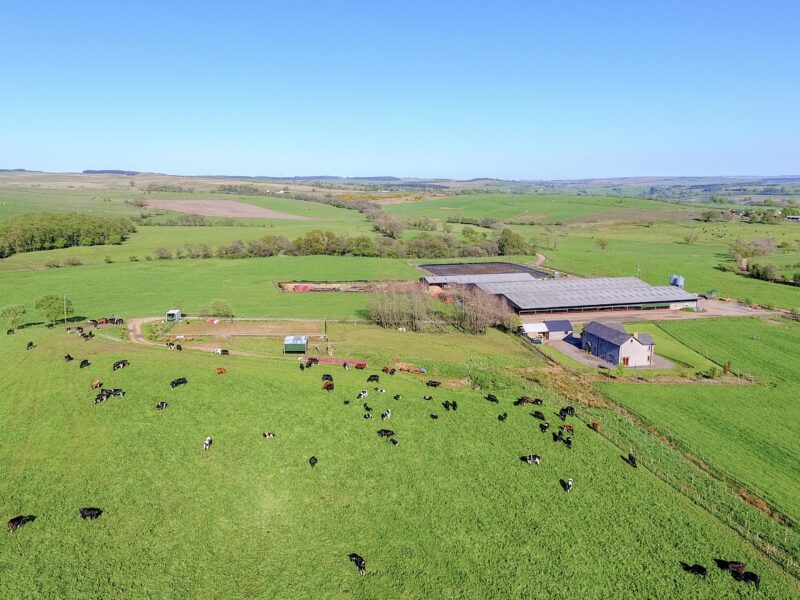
(595, 426)
(97, 384)
(221, 371)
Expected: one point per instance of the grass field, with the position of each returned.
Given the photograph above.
(747, 432)
(449, 513)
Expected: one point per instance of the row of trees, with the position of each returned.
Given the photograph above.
(471, 243)
(47, 231)
(51, 306)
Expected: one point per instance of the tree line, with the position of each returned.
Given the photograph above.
(48, 231)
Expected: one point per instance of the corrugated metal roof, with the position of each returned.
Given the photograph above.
(534, 327)
(484, 278)
(615, 333)
(558, 325)
(562, 285)
(295, 339)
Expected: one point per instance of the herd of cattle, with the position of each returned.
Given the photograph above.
(564, 435)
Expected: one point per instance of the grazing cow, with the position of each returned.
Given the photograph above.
(359, 562)
(544, 426)
(695, 569)
(392, 371)
(347, 402)
(562, 414)
(522, 400)
(434, 416)
(361, 366)
(538, 415)
(454, 405)
(79, 329)
(221, 371)
(87, 336)
(502, 418)
(492, 398)
(537, 401)
(328, 386)
(385, 433)
(119, 392)
(532, 459)
(9, 332)
(93, 322)
(170, 346)
(84, 363)
(312, 461)
(101, 397)
(179, 381)
(120, 364)
(373, 379)
(367, 407)
(568, 428)
(97, 384)
(397, 397)
(17, 522)
(568, 442)
(161, 405)
(386, 415)
(68, 357)
(90, 513)
(595, 427)
(570, 412)
(433, 384)
(367, 415)
(446, 404)
(385, 370)
(734, 566)
(268, 434)
(746, 577)
(428, 398)
(327, 377)
(29, 346)
(632, 461)
(302, 367)
(218, 351)
(207, 443)
(179, 348)
(361, 395)
(568, 487)
(394, 441)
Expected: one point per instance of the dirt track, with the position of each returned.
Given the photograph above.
(222, 208)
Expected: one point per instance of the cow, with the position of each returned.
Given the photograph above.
(68, 357)
(632, 461)
(385, 370)
(9, 332)
(562, 414)
(568, 486)
(568, 428)
(595, 427)
(570, 411)
(84, 363)
(217, 351)
(367, 415)
(361, 366)
(392, 371)
(362, 394)
(311, 360)
(428, 398)
(79, 329)
(17, 522)
(434, 416)
(433, 384)
(359, 562)
(385, 433)
(29, 346)
(397, 397)
(502, 418)
(207, 443)
(90, 513)
(97, 384)
(87, 336)
(532, 459)
(537, 414)
(446, 404)
(394, 441)
(312, 461)
(380, 390)
(454, 405)
(170, 346)
(522, 400)
(179, 348)
(346, 402)
(93, 322)
(373, 379)
(492, 398)
(327, 377)
(302, 367)
(695, 569)
(268, 434)
(543, 427)
(367, 407)
(386, 415)
(161, 405)
(537, 401)
(568, 442)
(328, 386)
(101, 397)
(179, 381)
(120, 364)
(734, 566)
(221, 371)
(118, 392)
(746, 577)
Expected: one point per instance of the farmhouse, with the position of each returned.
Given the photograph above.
(548, 330)
(594, 294)
(613, 344)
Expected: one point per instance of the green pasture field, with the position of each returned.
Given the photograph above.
(151, 288)
(747, 432)
(449, 513)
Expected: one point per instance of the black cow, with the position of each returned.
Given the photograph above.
(433, 384)
(302, 367)
(359, 562)
(327, 377)
(544, 426)
(120, 364)
(367, 407)
(385, 433)
(569, 411)
(694, 569)
(397, 397)
(434, 416)
(312, 461)
(29, 346)
(119, 392)
(17, 522)
(454, 405)
(179, 348)
(373, 379)
(532, 459)
(367, 415)
(632, 461)
(84, 363)
(161, 405)
(68, 357)
(537, 401)
(746, 577)
(502, 418)
(492, 398)
(562, 414)
(429, 398)
(446, 404)
(568, 442)
(392, 371)
(268, 435)
(179, 381)
(9, 332)
(90, 513)
(538, 415)
(394, 441)
(734, 566)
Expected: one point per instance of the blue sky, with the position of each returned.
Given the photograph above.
(528, 89)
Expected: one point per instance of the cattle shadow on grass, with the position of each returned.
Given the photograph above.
(564, 485)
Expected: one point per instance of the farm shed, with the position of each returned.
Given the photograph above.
(295, 343)
(548, 330)
(613, 344)
(445, 280)
(603, 293)
(174, 315)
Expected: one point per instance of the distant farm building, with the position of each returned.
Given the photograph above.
(466, 279)
(594, 294)
(174, 315)
(295, 343)
(548, 330)
(614, 345)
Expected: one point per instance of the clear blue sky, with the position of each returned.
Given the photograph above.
(529, 89)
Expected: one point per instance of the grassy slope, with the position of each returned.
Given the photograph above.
(748, 432)
(451, 512)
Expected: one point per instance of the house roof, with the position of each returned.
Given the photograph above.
(534, 327)
(558, 325)
(615, 333)
(295, 339)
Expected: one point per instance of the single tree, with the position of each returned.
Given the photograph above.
(601, 243)
(12, 315)
(54, 307)
(221, 308)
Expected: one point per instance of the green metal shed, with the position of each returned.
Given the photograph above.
(295, 343)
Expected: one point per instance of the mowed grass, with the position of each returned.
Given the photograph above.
(151, 288)
(748, 432)
(449, 513)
